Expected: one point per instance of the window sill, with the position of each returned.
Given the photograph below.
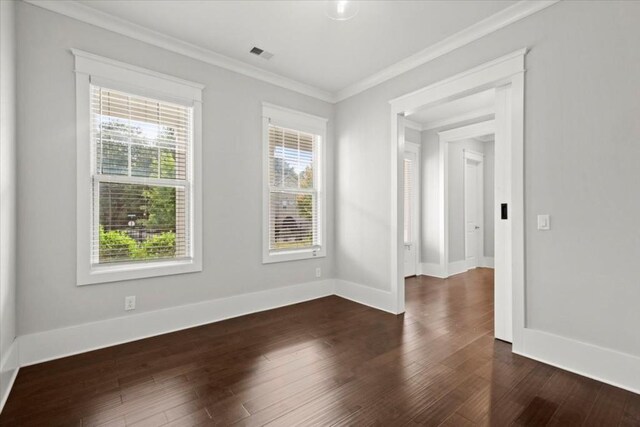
(117, 273)
(294, 255)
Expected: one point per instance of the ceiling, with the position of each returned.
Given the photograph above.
(459, 110)
(308, 47)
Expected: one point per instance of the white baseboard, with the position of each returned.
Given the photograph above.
(48, 345)
(609, 366)
(488, 262)
(9, 367)
(376, 298)
(433, 270)
(599, 363)
(457, 267)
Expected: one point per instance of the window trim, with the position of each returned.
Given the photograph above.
(93, 69)
(296, 120)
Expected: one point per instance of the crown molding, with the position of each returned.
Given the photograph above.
(86, 14)
(470, 34)
(81, 12)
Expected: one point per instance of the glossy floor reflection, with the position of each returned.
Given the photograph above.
(324, 362)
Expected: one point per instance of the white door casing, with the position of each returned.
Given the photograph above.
(504, 72)
(503, 284)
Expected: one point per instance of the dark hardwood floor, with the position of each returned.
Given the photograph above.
(323, 362)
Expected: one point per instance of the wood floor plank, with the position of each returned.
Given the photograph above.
(328, 361)
(608, 408)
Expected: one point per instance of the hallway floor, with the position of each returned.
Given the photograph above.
(324, 362)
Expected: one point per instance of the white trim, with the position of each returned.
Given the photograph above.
(296, 120)
(120, 72)
(57, 343)
(473, 115)
(432, 269)
(469, 131)
(508, 112)
(506, 70)
(457, 267)
(592, 361)
(470, 34)
(602, 364)
(81, 12)
(365, 295)
(501, 19)
(93, 68)
(443, 201)
(487, 262)
(9, 367)
(53, 344)
(476, 79)
(473, 155)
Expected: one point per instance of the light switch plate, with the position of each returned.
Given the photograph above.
(544, 222)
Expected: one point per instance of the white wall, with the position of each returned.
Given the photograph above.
(412, 135)
(232, 132)
(581, 154)
(430, 200)
(8, 192)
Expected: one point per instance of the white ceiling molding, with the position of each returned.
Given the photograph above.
(507, 16)
(487, 26)
(473, 115)
(109, 22)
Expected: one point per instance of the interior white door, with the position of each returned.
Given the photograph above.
(410, 211)
(472, 215)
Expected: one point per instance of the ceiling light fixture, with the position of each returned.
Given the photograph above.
(341, 10)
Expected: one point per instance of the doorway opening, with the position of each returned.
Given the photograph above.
(456, 249)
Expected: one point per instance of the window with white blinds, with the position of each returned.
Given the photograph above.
(139, 172)
(141, 178)
(294, 198)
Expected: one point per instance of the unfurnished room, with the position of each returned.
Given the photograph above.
(319, 213)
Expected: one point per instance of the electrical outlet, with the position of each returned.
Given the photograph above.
(130, 303)
(318, 272)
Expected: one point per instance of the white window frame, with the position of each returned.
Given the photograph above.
(303, 122)
(93, 69)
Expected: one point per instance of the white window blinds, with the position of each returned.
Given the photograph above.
(141, 175)
(293, 189)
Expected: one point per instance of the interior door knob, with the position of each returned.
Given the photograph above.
(477, 227)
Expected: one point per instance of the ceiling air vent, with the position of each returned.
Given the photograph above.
(261, 53)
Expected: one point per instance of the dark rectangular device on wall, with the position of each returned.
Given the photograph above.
(503, 211)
